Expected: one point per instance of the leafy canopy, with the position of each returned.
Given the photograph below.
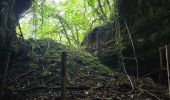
(66, 21)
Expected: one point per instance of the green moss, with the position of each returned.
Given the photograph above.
(33, 66)
(87, 59)
(48, 71)
(52, 57)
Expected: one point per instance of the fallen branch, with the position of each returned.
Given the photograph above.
(149, 93)
(73, 88)
(134, 51)
(153, 72)
(127, 74)
(24, 74)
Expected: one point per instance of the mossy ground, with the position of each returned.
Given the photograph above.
(51, 53)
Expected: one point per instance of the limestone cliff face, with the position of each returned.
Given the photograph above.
(149, 24)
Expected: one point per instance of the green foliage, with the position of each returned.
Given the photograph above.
(66, 21)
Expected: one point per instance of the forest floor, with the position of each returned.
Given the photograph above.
(36, 75)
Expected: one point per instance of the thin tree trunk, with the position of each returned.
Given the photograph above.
(109, 6)
(101, 9)
(161, 64)
(65, 32)
(167, 62)
(20, 30)
(77, 36)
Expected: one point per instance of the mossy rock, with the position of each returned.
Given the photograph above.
(51, 56)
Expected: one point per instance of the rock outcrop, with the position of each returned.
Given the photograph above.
(148, 22)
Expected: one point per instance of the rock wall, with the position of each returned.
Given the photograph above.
(100, 41)
(10, 45)
(149, 25)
